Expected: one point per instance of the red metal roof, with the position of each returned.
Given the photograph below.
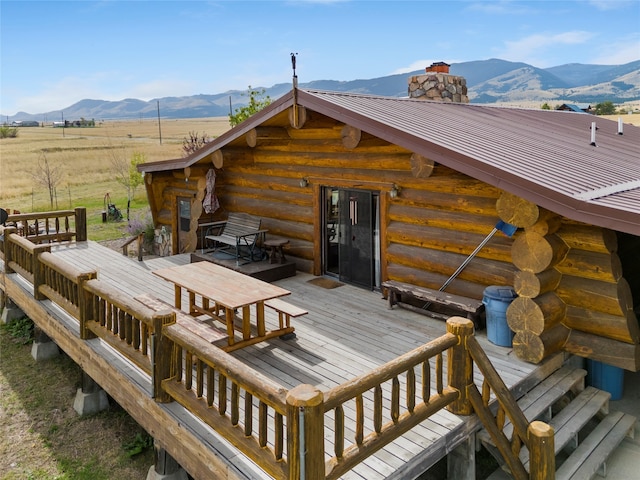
(544, 156)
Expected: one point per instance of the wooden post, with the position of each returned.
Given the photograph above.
(460, 364)
(542, 457)
(305, 433)
(8, 249)
(38, 271)
(161, 354)
(81, 224)
(85, 305)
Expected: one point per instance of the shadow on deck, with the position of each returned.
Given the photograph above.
(348, 333)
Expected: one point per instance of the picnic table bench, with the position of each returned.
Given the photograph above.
(238, 232)
(394, 292)
(202, 328)
(285, 311)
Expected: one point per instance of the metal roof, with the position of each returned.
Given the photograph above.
(544, 156)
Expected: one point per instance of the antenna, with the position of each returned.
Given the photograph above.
(295, 90)
(293, 65)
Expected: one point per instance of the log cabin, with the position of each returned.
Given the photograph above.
(369, 189)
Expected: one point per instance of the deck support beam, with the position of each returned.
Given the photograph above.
(43, 347)
(90, 398)
(461, 461)
(166, 467)
(10, 311)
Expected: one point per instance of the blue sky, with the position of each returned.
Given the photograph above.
(54, 54)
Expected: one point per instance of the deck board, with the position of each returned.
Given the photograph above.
(347, 332)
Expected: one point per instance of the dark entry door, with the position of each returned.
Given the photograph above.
(356, 237)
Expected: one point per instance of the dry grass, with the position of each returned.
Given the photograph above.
(41, 435)
(627, 119)
(84, 157)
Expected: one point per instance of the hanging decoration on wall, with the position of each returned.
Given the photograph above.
(210, 202)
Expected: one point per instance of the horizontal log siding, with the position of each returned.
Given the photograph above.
(598, 298)
(431, 227)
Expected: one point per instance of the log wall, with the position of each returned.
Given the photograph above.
(572, 291)
(436, 221)
(568, 275)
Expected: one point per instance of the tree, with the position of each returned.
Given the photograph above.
(194, 143)
(256, 103)
(48, 176)
(545, 106)
(127, 173)
(605, 108)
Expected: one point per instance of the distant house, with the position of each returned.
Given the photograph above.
(575, 107)
(24, 123)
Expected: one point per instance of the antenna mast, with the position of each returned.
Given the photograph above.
(295, 90)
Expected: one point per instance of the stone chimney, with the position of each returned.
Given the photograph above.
(438, 85)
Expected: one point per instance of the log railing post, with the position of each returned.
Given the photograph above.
(85, 305)
(39, 277)
(162, 365)
(81, 224)
(305, 433)
(542, 457)
(8, 249)
(460, 364)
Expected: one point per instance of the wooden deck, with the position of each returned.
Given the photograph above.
(348, 331)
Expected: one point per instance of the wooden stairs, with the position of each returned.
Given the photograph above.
(586, 433)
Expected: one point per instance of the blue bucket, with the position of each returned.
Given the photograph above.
(496, 300)
(605, 377)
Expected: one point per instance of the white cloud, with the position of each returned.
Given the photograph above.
(619, 52)
(534, 46)
(421, 65)
(502, 7)
(417, 65)
(611, 4)
(109, 86)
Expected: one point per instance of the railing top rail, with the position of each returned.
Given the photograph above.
(37, 215)
(353, 387)
(122, 302)
(25, 244)
(263, 388)
(66, 269)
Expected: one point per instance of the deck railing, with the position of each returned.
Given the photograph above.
(246, 407)
(226, 394)
(48, 227)
(19, 254)
(398, 395)
(536, 436)
(125, 324)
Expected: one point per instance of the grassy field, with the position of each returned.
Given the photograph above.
(85, 159)
(41, 435)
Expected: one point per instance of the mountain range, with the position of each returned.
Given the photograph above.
(488, 81)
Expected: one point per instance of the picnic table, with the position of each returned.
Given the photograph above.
(221, 293)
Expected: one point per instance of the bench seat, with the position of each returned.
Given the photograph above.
(394, 292)
(202, 328)
(285, 312)
(238, 232)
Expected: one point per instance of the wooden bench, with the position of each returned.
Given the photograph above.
(237, 232)
(394, 292)
(202, 328)
(285, 312)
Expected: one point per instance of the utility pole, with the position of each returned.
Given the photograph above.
(159, 129)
